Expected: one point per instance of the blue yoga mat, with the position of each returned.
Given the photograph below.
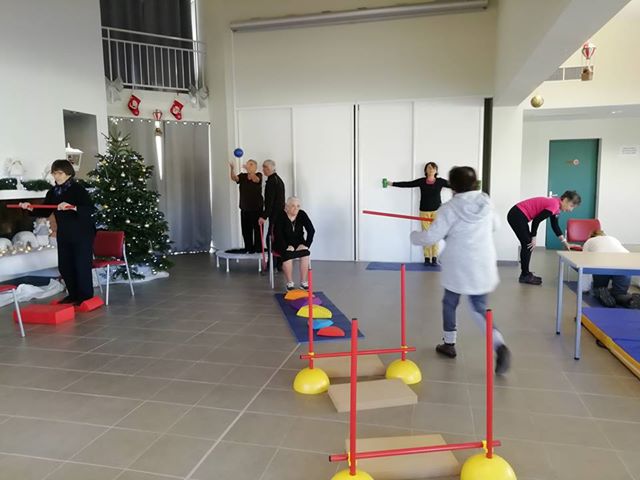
(395, 267)
(298, 325)
(622, 325)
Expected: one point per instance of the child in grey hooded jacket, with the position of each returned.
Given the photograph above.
(469, 261)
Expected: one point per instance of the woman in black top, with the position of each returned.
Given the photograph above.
(250, 184)
(75, 232)
(291, 243)
(430, 187)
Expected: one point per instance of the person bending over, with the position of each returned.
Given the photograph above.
(469, 263)
(536, 210)
(251, 204)
(76, 231)
(293, 237)
(619, 294)
(430, 200)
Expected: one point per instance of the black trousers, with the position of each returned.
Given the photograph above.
(75, 260)
(251, 230)
(520, 226)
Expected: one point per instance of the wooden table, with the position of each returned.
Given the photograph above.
(595, 264)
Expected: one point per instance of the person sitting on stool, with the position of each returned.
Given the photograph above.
(250, 185)
(291, 243)
(76, 230)
(619, 293)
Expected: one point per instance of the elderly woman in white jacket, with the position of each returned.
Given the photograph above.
(469, 263)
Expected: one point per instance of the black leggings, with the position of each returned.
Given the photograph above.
(520, 226)
(251, 230)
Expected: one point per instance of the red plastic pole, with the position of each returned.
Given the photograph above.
(403, 312)
(354, 393)
(489, 328)
(310, 323)
(375, 351)
(396, 215)
(342, 457)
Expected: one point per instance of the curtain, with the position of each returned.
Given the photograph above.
(186, 190)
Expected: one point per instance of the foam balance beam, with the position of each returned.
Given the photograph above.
(46, 314)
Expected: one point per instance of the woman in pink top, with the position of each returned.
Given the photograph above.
(536, 210)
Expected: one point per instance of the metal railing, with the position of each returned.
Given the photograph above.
(154, 62)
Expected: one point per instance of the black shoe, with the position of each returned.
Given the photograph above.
(530, 279)
(604, 295)
(503, 360)
(447, 349)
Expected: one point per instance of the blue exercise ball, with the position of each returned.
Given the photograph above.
(238, 152)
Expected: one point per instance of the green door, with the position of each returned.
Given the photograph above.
(573, 165)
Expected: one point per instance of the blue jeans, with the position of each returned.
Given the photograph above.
(619, 283)
(478, 305)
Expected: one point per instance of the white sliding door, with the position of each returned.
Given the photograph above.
(323, 159)
(385, 149)
(449, 133)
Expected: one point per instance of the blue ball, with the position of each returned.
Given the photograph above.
(238, 153)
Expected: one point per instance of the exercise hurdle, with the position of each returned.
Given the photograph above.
(482, 466)
(402, 368)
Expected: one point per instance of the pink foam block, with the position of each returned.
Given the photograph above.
(46, 314)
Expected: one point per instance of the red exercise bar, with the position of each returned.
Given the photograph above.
(395, 215)
(343, 457)
(53, 207)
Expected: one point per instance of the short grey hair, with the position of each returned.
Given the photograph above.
(270, 163)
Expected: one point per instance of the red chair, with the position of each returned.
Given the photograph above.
(580, 229)
(12, 288)
(109, 250)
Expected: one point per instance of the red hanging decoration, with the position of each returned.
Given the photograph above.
(134, 105)
(176, 109)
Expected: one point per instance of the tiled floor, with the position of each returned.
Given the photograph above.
(191, 380)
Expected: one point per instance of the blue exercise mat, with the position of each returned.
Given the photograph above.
(395, 267)
(621, 325)
(298, 325)
(587, 299)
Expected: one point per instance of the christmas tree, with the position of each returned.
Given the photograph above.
(123, 202)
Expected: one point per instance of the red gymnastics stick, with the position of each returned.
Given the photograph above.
(53, 207)
(395, 215)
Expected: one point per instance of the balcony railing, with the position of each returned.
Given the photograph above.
(154, 62)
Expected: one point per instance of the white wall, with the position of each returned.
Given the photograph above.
(385, 60)
(50, 60)
(618, 175)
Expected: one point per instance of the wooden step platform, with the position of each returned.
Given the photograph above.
(374, 394)
(405, 467)
(340, 367)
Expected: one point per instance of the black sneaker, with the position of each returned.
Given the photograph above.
(503, 360)
(530, 279)
(447, 349)
(604, 295)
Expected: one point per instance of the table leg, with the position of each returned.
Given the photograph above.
(579, 315)
(560, 291)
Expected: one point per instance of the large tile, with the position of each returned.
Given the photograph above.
(204, 422)
(585, 463)
(153, 416)
(44, 438)
(261, 429)
(288, 464)
(173, 455)
(116, 448)
(234, 461)
(14, 467)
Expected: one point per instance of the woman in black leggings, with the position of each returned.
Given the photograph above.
(536, 210)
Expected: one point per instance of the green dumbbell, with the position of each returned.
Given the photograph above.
(385, 183)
